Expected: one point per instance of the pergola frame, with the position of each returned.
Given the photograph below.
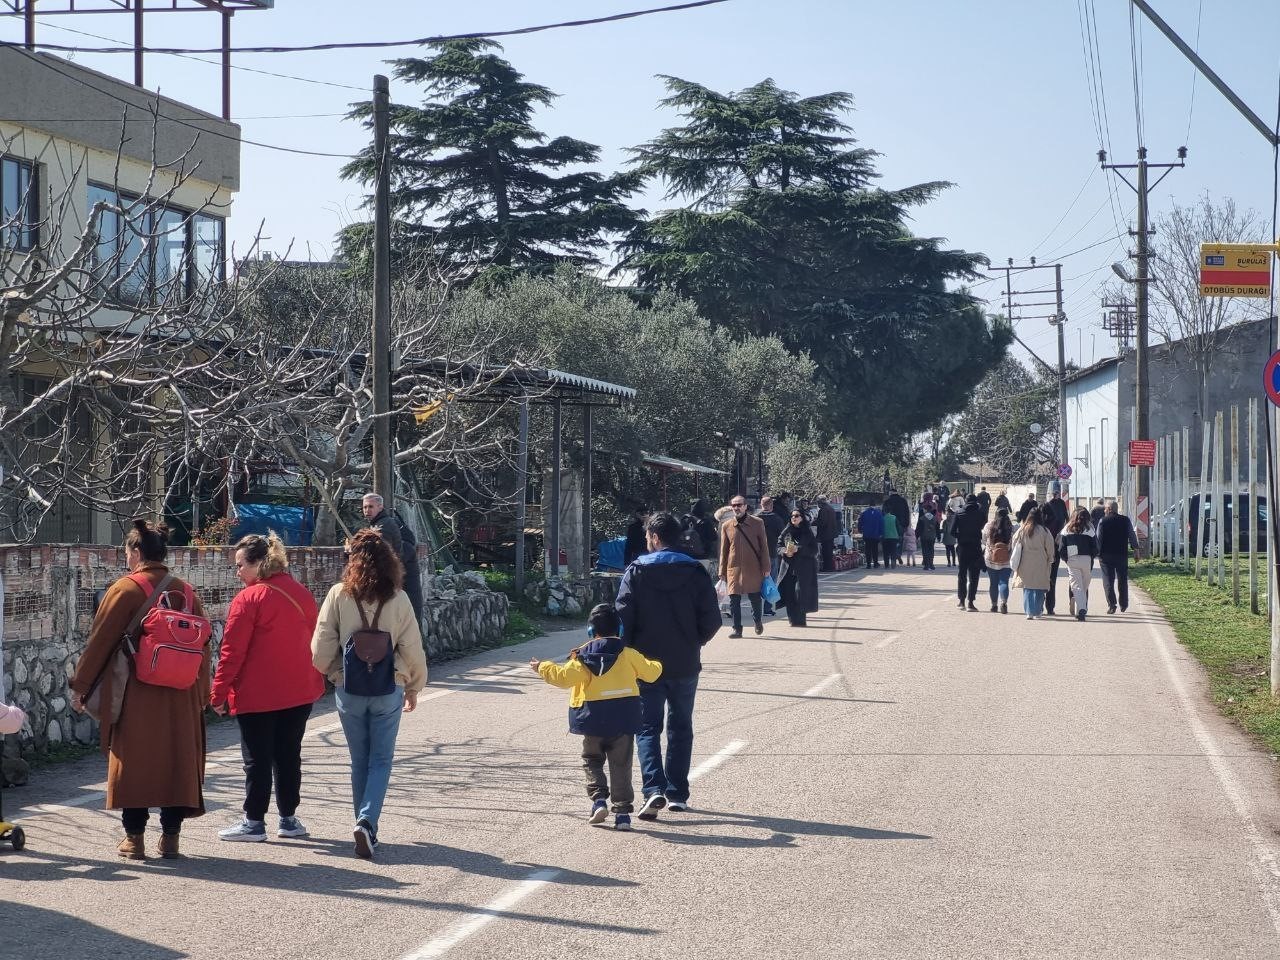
(139, 8)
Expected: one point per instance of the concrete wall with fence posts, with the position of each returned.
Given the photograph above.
(49, 603)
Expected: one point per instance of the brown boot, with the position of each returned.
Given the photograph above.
(169, 846)
(131, 847)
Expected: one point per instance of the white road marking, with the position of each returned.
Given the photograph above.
(822, 685)
(713, 761)
(927, 613)
(1267, 860)
(482, 917)
(884, 642)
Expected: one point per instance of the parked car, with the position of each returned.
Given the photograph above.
(1236, 506)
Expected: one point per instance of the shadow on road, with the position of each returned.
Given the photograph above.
(782, 830)
(34, 933)
(791, 696)
(487, 865)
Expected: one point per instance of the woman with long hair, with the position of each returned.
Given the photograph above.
(997, 551)
(798, 548)
(265, 678)
(368, 643)
(155, 747)
(1077, 548)
(1032, 562)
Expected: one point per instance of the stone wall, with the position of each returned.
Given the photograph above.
(49, 602)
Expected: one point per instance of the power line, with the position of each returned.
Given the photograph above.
(1036, 249)
(383, 44)
(45, 62)
(215, 63)
(1194, 74)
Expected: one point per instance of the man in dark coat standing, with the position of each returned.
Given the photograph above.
(984, 501)
(1002, 503)
(1028, 505)
(896, 504)
(968, 533)
(828, 530)
(402, 541)
(635, 536)
(668, 607)
(1055, 518)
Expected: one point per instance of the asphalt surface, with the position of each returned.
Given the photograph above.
(900, 779)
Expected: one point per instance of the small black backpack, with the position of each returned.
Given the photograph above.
(691, 541)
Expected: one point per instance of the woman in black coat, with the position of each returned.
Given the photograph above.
(798, 584)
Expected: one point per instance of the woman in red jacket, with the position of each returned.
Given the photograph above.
(266, 680)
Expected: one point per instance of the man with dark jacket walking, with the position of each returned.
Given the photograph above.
(774, 523)
(668, 607)
(968, 533)
(828, 529)
(1115, 536)
(1055, 518)
(403, 543)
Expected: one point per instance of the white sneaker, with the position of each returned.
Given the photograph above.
(292, 827)
(677, 806)
(246, 831)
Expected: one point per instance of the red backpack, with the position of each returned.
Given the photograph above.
(169, 647)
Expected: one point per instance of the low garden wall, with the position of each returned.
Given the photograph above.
(48, 609)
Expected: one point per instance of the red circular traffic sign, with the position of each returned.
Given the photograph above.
(1271, 378)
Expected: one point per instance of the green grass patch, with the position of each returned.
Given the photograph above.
(1233, 644)
(519, 628)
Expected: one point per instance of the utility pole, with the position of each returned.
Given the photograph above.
(380, 339)
(1059, 319)
(1142, 380)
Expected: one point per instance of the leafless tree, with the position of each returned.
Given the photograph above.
(1179, 313)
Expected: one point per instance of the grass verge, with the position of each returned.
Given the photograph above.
(1233, 644)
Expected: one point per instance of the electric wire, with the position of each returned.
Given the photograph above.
(1133, 60)
(384, 44)
(1195, 73)
(1096, 49)
(45, 62)
(1079, 193)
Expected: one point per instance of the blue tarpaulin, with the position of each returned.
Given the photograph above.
(295, 525)
(611, 553)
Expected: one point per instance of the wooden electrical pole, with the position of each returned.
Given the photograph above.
(380, 339)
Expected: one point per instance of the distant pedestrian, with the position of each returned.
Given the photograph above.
(1097, 513)
(604, 709)
(744, 563)
(403, 544)
(897, 504)
(891, 544)
(367, 614)
(1032, 559)
(155, 745)
(635, 535)
(927, 534)
(871, 526)
(1028, 505)
(667, 604)
(1115, 536)
(1002, 503)
(909, 545)
(968, 532)
(774, 523)
(942, 492)
(1077, 548)
(949, 537)
(984, 501)
(997, 548)
(799, 586)
(705, 523)
(266, 680)
(956, 503)
(1055, 518)
(828, 523)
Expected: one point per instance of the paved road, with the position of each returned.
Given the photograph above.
(901, 779)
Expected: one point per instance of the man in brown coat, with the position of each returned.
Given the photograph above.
(744, 562)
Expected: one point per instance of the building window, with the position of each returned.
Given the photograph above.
(149, 254)
(19, 204)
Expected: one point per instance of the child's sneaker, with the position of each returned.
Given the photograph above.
(599, 812)
(622, 821)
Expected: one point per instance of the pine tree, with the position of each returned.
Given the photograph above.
(474, 178)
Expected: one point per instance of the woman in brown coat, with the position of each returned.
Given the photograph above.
(156, 749)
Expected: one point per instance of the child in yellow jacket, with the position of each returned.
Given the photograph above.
(604, 708)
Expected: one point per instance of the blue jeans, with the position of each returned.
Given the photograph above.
(370, 725)
(998, 584)
(1033, 602)
(674, 698)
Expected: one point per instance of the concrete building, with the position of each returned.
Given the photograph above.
(69, 137)
(1100, 400)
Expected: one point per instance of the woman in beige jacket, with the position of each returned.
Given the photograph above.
(1033, 549)
(370, 598)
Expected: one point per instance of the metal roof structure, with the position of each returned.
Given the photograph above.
(680, 466)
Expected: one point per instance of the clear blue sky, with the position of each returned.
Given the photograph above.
(993, 96)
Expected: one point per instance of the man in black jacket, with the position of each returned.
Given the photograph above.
(402, 542)
(896, 504)
(828, 524)
(1055, 518)
(774, 524)
(968, 533)
(668, 607)
(1115, 537)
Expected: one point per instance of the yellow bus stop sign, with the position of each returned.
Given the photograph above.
(1235, 269)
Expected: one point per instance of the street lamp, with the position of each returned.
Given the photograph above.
(1121, 271)
(1102, 432)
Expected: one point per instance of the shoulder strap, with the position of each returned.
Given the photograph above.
(747, 538)
(296, 605)
(364, 620)
(376, 614)
(155, 594)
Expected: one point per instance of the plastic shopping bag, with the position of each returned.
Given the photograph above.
(722, 591)
(770, 590)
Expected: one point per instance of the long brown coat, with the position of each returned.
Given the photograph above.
(744, 554)
(156, 750)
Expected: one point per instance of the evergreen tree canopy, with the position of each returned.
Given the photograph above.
(473, 177)
(784, 236)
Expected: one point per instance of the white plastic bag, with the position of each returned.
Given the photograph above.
(722, 591)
